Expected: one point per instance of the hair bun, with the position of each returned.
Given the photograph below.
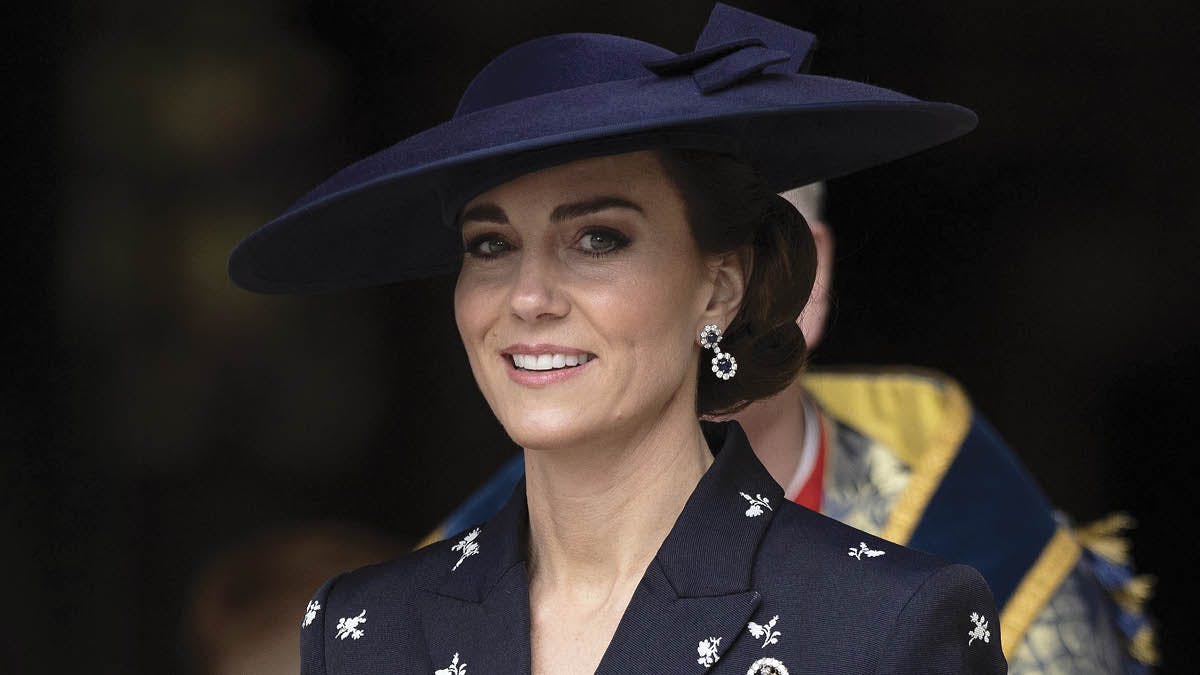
(778, 346)
(729, 207)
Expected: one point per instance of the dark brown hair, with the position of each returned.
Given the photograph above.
(729, 206)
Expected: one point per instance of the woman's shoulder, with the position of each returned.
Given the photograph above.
(897, 602)
(395, 580)
(801, 537)
(381, 599)
(802, 540)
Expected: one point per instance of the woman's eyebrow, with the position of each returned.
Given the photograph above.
(489, 212)
(484, 212)
(582, 208)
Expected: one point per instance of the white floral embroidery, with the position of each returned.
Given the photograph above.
(765, 632)
(767, 666)
(310, 613)
(757, 504)
(980, 631)
(468, 546)
(348, 628)
(862, 550)
(707, 649)
(455, 668)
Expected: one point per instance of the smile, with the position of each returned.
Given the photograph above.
(541, 365)
(548, 361)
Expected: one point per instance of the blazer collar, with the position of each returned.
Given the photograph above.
(503, 543)
(697, 595)
(711, 548)
(480, 613)
(699, 582)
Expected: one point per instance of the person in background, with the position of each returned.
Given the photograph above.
(241, 617)
(902, 454)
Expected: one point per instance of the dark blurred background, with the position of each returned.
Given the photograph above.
(153, 414)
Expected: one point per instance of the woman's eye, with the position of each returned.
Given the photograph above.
(487, 246)
(599, 242)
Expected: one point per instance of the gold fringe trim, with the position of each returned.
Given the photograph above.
(1144, 647)
(1105, 538)
(1055, 562)
(1133, 596)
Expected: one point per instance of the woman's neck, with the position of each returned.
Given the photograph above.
(598, 515)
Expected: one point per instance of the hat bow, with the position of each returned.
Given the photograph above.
(736, 46)
(720, 66)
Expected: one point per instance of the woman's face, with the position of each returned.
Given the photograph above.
(580, 297)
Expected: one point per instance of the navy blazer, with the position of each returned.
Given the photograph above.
(745, 582)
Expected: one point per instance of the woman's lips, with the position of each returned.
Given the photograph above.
(541, 378)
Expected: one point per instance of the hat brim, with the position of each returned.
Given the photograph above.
(390, 217)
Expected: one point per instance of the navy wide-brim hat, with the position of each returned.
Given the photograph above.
(391, 216)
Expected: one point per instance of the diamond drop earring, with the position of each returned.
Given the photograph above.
(724, 365)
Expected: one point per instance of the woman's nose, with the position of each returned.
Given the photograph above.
(536, 292)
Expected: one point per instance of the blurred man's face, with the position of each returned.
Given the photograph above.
(812, 321)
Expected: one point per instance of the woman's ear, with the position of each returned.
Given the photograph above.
(729, 274)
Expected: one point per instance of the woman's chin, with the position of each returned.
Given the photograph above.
(543, 438)
(551, 429)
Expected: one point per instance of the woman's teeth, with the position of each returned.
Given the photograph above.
(548, 361)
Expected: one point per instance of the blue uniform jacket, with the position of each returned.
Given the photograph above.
(745, 582)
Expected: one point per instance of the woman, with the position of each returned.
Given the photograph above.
(609, 208)
(901, 453)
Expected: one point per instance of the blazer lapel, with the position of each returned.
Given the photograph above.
(490, 636)
(662, 632)
(479, 616)
(696, 597)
